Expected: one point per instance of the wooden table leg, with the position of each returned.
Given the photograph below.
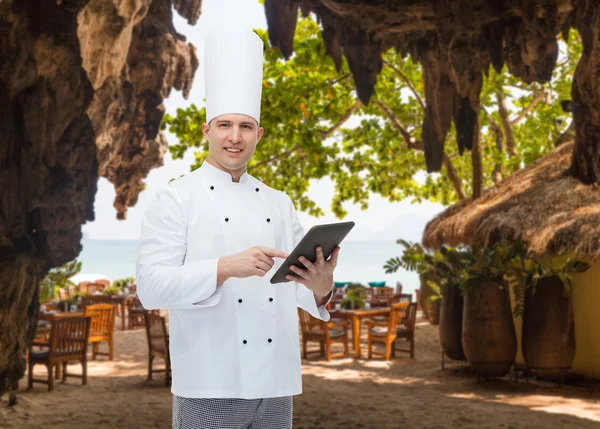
(122, 304)
(356, 335)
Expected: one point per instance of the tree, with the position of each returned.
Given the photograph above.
(307, 105)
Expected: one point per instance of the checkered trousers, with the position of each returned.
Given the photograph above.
(232, 413)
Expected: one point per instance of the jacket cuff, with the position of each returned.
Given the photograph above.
(199, 283)
(305, 299)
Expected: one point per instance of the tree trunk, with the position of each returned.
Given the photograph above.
(586, 96)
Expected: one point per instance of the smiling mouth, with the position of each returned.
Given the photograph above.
(234, 150)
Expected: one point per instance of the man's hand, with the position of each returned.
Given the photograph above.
(255, 261)
(317, 276)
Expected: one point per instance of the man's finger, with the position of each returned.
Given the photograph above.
(334, 256)
(274, 253)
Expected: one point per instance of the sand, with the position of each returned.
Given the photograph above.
(342, 393)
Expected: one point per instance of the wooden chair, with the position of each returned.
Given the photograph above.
(72, 291)
(102, 328)
(158, 344)
(94, 300)
(63, 294)
(387, 290)
(398, 287)
(394, 299)
(135, 312)
(400, 324)
(67, 342)
(326, 333)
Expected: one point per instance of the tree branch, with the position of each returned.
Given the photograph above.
(412, 143)
(408, 82)
(326, 134)
(497, 173)
(526, 111)
(511, 147)
(343, 119)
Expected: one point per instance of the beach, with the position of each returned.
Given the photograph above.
(342, 393)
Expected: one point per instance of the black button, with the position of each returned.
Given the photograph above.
(270, 340)
(226, 219)
(257, 189)
(244, 341)
(212, 187)
(268, 220)
(240, 300)
(270, 299)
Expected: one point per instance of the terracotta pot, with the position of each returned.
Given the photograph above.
(451, 320)
(548, 328)
(434, 312)
(488, 336)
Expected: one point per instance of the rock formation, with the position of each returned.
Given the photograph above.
(81, 89)
(457, 41)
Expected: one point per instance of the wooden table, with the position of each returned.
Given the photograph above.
(356, 316)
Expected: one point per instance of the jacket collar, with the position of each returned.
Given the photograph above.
(220, 176)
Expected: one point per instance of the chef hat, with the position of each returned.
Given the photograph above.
(233, 70)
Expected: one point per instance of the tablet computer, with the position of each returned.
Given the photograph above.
(328, 236)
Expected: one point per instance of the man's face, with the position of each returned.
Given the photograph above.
(232, 140)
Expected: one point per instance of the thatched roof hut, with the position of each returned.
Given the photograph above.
(543, 204)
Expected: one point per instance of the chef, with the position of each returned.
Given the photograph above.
(210, 243)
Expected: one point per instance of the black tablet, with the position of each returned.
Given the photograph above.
(328, 236)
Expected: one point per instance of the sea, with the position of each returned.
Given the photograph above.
(359, 261)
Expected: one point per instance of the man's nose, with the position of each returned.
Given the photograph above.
(235, 134)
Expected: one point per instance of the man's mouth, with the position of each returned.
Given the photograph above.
(233, 150)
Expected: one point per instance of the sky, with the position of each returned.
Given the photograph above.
(381, 221)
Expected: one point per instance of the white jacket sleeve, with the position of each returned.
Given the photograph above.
(305, 298)
(163, 280)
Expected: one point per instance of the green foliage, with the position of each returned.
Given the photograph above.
(525, 271)
(121, 284)
(413, 258)
(307, 138)
(356, 294)
(58, 278)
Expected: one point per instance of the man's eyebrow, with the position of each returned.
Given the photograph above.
(226, 121)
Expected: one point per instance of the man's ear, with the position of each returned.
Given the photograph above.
(261, 130)
(205, 129)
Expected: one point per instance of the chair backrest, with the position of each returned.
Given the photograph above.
(94, 299)
(63, 294)
(398, 288)
(72, 291)
(399, 297)
(398, 316)
(102, 317)
(96, 287)
(69, 336)
(406, 318)
(309, 324)
(133, 301)
(387, 290)
(156, 332)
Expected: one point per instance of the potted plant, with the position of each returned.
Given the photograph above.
(449, 263)
(56, 279)
(356, 294)
(488, 334)
(416, 258)
(543, 298)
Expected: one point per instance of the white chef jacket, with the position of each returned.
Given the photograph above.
(235, 340)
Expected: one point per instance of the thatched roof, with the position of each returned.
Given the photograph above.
(543, 204)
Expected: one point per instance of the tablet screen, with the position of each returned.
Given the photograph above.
(328, 236)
